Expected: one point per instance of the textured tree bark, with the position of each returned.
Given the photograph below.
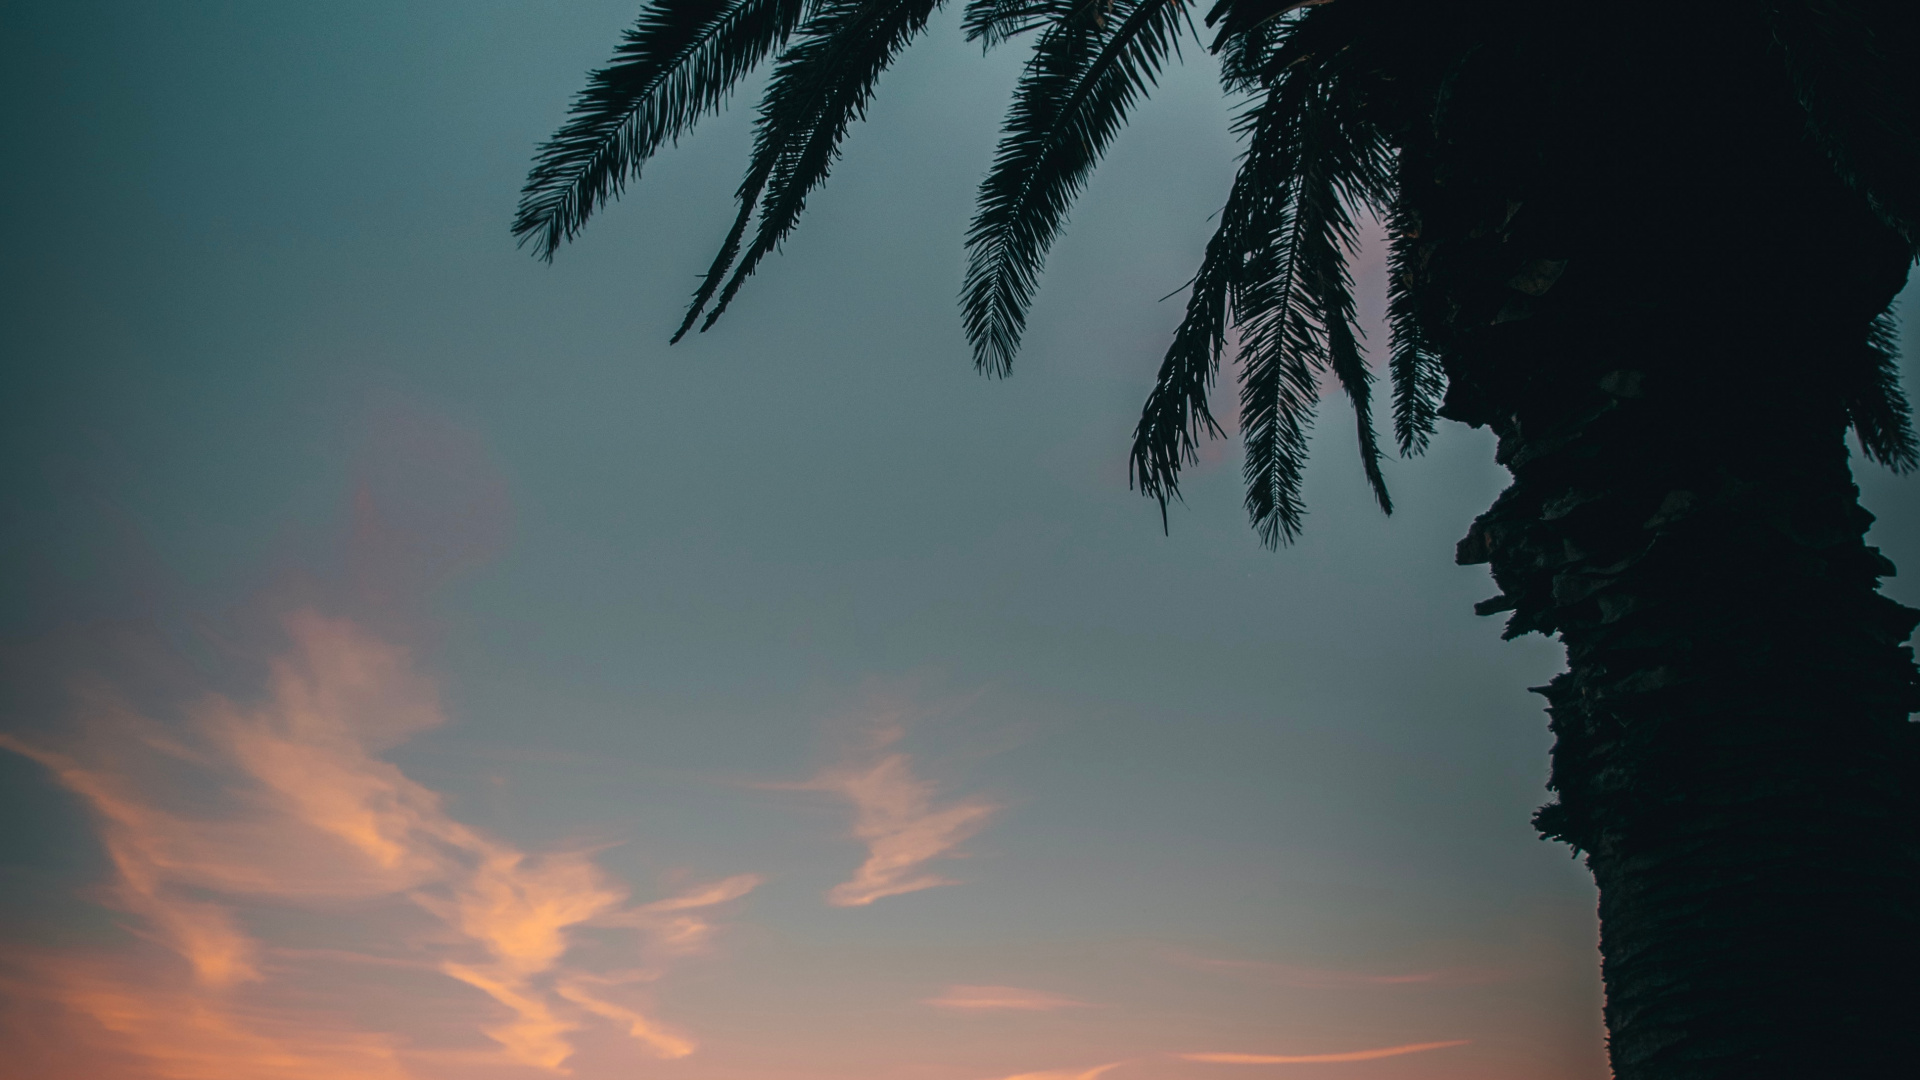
(1646, 280)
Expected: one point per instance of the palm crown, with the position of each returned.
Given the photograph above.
(1332, 93)
(1731, 190)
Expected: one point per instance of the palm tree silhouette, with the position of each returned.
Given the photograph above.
(1653, 251)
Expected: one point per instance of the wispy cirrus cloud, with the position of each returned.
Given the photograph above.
(1322, 1059)
(148, 849)
(680, 925)
(663, 1040)
(899, 820)
(989, 998)
(293, 808)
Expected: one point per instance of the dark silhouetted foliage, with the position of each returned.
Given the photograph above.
(1653, 250)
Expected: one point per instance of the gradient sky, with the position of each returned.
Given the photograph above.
(414, 669)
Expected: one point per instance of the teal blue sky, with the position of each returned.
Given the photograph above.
(268, 347)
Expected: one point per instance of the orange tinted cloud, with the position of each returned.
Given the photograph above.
(147, 849)
(1002, 997)
(310, 815)
(1322, 1059)
(534, 1036)
(519, 909)
(675, 926)
(678, 925)
(903, 829)
(661, 1040)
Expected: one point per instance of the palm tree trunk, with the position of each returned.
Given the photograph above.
(1643, 277)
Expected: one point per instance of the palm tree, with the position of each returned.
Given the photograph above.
(1653, 251)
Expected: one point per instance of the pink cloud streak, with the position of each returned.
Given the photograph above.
(1296, 975)
(1322, 1059)
(1068, 1074)
(985, 998)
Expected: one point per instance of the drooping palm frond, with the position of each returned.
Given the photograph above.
(1094, 61)
(820, 86)
(1276, 269)
(676, 65)
(1878, 410)
(1298, 318)
(1336, 310)
(1279, 386)
(1177, 413)
(1353, 171)
(1419, 383)
(748, 196)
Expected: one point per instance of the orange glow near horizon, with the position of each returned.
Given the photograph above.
(296, 906)
(313, 819)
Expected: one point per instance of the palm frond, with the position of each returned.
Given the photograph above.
(1351, 171)
(1176, 413)
(748, 196)
(820, 86)
(1284, 344)
(676, 65)
(1240, 265)
(1419, 384)
(993, 22)
(1878, 410)
(1237, 18)
(1276, 269)
(1344, 358)
(1260, 40)
(1089, 68)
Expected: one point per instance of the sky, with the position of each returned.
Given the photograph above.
(416, 669)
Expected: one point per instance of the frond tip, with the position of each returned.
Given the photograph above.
(820, 86)
(1089, 68)
(676, 65)
(1419, 383)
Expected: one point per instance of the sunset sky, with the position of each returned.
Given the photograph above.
(415, 669)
